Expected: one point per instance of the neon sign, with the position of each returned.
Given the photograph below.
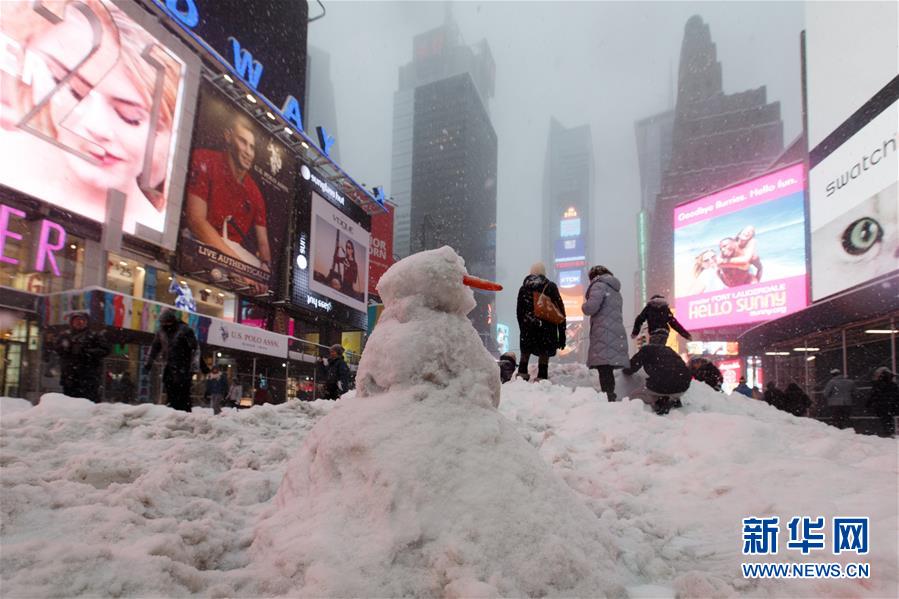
(45, 245)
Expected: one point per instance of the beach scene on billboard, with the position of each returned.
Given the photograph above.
(239, 187)
(339, 255)
(740, 253)
(90, 102)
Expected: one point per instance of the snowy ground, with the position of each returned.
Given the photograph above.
(117, 500)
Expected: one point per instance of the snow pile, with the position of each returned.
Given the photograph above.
(674, 489)
(423, 337)
(113, 499)
(418, 487)
(110, 499)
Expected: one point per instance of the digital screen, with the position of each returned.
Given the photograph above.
(740, 253)
(91, 102)
(854, 208)
(571, 248)
(502, 337)
(713, 348)
(239, 187)
(570, 278)
(570, 227)
(339, 255)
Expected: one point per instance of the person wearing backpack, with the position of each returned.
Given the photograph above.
(541, 321)
(178, 345)
(608, 339)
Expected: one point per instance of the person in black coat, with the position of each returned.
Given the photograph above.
(666, 373)
(704, 371)
(796, 401)
(884, 399)
(177, 343)
(336, 373)
(507, 365)
(660, 320)
(775, 397)
(538, 337)
(81, 352)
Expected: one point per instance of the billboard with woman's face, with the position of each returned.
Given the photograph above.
(90, 102)
(740, 253)
(339, 255)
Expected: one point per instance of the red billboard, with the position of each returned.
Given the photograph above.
(380, 246)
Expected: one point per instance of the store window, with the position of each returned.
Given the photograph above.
(38, 257)
(182, 292)
(125, 276)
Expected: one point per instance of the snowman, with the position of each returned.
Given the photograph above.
(423, 338)
(415, 485)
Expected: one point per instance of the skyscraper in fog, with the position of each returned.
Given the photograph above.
(568, 188)
(718, 139)
(320, 100)
(445, 156)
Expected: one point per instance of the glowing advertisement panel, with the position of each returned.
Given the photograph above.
(740, 253)
(339, 256)
(854, 208)
(91, 102)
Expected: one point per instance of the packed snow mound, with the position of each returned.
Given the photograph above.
(11, 405)
(423, 337)
(106, 500)
(674, 489)
(399, 495)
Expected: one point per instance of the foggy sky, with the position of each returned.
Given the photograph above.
(603, 64)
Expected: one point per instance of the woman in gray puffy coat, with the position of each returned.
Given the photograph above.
(608, 339)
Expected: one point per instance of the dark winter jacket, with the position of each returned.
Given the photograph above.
(217, 385)
(176, 344)
(884, 398)
(840, 391)
(775, 397)
(539, 337)
(666, 372)
(507, 366)
(657, 314)
(796, 402)
(81, 354)
(703, 370)
(336, 375)
(608, 339)
(743, 389)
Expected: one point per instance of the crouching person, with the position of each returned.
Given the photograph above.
(667, 377)
(508, 362)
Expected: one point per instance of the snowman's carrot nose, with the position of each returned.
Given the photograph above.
(481, 283)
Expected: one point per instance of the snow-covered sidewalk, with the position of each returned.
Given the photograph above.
(118, 500)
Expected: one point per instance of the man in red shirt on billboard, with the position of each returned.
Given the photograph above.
(223, 201)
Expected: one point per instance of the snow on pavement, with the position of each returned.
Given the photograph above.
(118, 500)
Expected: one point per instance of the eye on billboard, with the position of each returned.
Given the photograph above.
(854, 208)
(240, 183)
(740, 253)
(90, 102)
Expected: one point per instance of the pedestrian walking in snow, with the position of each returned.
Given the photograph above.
(796, 401)
(608, 339)
(177, 344)
(507, 365)
(81, 352)
(840, 393)
(541, 321)
(743, 388)
(667, 377)
(884, 400)
(216, 389)
(659, 321)
(335, 373)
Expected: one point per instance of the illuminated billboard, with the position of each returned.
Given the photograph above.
(854, 208)
(240, 184)
(91, 102)
(339, 256)
(740, 253)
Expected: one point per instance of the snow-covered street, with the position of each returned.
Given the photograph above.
(119, 500)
